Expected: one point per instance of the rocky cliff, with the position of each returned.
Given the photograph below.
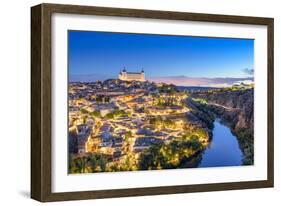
(236, 109)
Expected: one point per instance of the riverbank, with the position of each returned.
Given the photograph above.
(236, 110)
(224, 149)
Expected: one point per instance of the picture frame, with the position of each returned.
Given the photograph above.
(41, 101)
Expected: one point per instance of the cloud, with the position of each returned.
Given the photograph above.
(199, 81)
(248, 71)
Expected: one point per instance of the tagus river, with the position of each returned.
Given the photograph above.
(223, 150)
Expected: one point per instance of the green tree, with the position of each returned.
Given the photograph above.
(128, 135)
(78, 164)
(169, 155)
(96, 114)
(109, 116)
(106, 99)
(102, 163)
(99, 98)
(93, 163)
(83, 163)
(84, 111)
(85, 118)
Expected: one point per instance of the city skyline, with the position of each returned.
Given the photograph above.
(183, 60)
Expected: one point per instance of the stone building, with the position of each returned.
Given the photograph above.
(132, 76)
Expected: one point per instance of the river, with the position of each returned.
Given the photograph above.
(223, 150)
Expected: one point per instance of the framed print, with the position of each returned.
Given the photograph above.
(130, 102)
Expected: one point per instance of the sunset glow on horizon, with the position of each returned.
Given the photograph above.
(181, 60)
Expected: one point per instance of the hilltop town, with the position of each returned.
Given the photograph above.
(130, 124)
(114, 123)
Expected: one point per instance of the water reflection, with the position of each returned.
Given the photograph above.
(223, 150)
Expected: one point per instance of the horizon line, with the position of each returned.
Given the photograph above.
(203, 77)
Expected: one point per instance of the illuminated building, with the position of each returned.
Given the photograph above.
(132, 76)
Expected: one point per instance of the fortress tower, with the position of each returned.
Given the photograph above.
(132, 76)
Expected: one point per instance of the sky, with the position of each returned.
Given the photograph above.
(185, 60)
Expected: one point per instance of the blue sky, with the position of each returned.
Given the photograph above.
(104, 54)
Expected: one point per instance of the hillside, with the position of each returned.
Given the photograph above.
(236, 109)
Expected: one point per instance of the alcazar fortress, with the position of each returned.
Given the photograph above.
(131, 76)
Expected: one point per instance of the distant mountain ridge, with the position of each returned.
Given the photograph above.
(199, 81)
(176, 80)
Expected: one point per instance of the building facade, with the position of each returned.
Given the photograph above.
(132, 76)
